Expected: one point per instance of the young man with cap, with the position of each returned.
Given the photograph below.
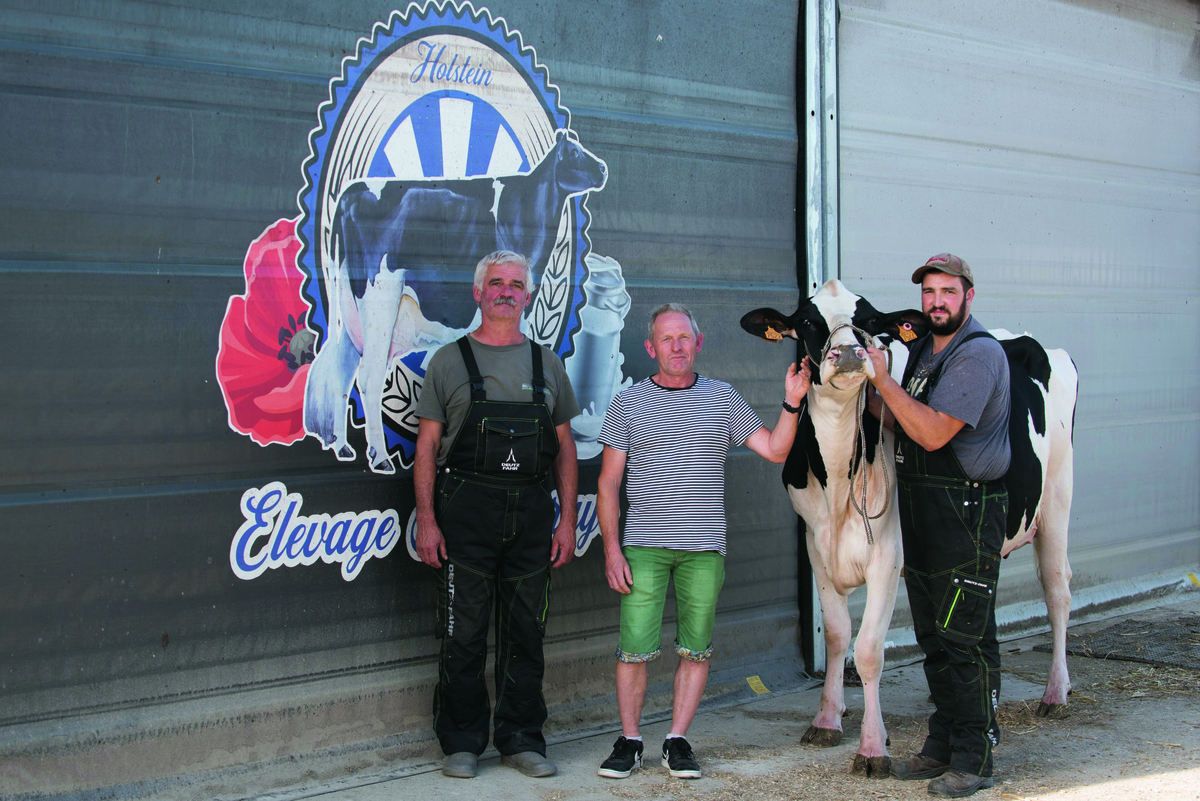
(674, 430)
(952, 452)
(494, 440)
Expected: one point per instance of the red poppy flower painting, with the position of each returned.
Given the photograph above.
(266, 348)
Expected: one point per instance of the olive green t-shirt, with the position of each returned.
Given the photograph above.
(507, 376)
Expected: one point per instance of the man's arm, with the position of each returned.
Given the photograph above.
(566, 478)
(431, 545)
(608, 510)
(875, 405)
(775, 445)
(926, 426)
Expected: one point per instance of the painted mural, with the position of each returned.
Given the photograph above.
(442, 140)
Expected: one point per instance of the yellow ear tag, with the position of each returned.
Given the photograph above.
(907, 334)
(772, 334)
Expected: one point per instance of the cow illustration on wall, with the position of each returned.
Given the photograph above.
(382, 226)
(442, 140)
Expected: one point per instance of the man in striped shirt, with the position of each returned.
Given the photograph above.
(673, 430)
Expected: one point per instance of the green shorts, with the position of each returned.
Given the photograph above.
(698, 579)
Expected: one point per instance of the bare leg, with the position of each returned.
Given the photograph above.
(631, 694)
(826, 728)
(690, 680)
(1054, 572)
(873, 759)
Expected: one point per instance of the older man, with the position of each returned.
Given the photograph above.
(952, 451)
(494, 440)
(673, 430)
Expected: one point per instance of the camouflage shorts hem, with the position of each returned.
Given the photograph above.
(694, 656)
(625, 656)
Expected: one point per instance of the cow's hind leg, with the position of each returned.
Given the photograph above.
(872, 759)
(377, 310)
(826, 728)
(1054, 572)
(327, 393)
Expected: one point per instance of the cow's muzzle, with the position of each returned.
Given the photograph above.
(847, 358)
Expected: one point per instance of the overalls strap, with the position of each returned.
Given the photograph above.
(938, 372)
(539, 379)
(473, 375)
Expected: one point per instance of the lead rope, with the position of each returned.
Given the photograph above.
(862, 460)
(862, 436)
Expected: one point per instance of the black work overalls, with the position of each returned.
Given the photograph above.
(953, 529)
(492, 502)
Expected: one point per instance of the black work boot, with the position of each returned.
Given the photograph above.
(957, 784)
(918, 767)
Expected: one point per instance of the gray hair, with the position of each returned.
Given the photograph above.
(503, 257)
(671, 308)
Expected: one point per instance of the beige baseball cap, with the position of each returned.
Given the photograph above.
(945, 263)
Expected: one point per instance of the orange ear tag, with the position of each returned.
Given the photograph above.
(907, 334)
(772, 334)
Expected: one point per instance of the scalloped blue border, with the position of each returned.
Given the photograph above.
(401, 27)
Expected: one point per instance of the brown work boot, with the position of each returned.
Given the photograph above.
(957, 784)
(918, 767)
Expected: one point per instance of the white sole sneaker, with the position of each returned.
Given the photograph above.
(610, 773)
(680, 774)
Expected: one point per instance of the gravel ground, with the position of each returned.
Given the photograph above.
(1131, 733)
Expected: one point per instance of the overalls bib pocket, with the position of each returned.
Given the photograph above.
(509, 447)
(966, 607)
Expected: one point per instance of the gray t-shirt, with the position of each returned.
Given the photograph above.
(507, 376)
(974, 388)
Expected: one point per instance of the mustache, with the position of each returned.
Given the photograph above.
(504, 302)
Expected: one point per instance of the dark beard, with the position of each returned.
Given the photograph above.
(952, 324)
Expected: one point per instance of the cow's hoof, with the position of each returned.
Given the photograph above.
(821, 738)
(1052, 711)
(345, 453)
(380, 463)
(872, 767)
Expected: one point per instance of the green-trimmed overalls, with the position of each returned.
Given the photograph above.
(492, 502)
(953, 529)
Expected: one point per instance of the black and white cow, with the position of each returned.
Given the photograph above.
(824, 468)
(383, 227)
(820, 473)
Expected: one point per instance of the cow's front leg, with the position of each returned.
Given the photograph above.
(327, 394)
(826, 728)
(1054, 572)
(883, 575)
(377, 310)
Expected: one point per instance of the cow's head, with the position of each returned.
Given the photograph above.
(842, 356)
(575, 168)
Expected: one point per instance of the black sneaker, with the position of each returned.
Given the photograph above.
(626, 757)
(678, 758)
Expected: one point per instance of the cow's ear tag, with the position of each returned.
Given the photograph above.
(906, 332)
(772, 334)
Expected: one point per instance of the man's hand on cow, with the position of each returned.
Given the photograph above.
(879, 363)
(562, 547)
(431, 545)
(797, 382)
(617, 571)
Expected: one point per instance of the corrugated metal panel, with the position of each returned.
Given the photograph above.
(146, 144)
(1056, 147)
